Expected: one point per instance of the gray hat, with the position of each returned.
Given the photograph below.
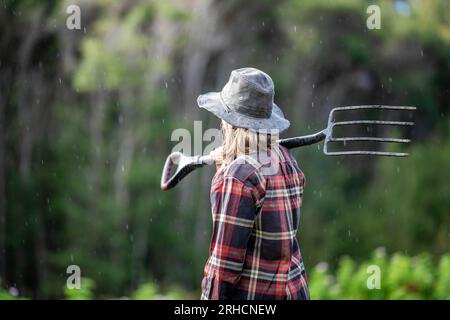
(246, 101)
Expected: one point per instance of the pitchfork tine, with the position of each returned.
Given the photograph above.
(331, 124)
(377, 122)
(395, 140)
(401, 108)
(376, 153)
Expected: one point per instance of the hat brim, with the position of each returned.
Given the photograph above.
(213, 103)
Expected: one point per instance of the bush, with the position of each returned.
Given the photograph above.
(84, 293)
(401, 277)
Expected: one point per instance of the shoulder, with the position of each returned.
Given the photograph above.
(242, 171)
(286, 154)
(289, 158)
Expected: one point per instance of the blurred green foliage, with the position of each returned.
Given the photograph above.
(402, 277)
(85, 292)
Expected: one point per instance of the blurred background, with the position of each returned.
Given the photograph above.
(86, 118)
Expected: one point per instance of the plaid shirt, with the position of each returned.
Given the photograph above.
(254, 253)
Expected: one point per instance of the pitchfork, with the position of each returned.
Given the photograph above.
(187, 164)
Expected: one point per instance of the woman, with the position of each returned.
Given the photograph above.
(256, 196)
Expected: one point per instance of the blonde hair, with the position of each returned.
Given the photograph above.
(241, 141)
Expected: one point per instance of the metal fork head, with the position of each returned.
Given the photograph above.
(332, 124)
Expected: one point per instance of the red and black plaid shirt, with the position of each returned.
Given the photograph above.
(254, 253)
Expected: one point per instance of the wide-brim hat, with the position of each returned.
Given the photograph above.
(246, 101)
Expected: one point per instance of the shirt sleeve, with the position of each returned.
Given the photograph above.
(234, 206)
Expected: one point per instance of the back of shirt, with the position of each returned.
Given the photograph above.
(254, 252)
